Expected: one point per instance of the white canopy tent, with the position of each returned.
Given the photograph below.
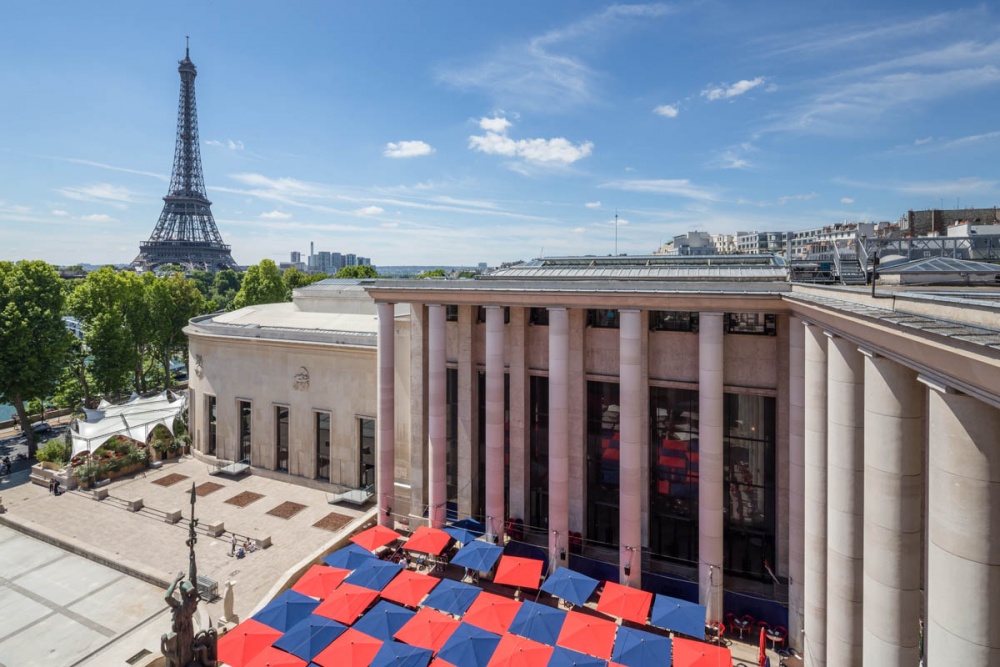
(134, 419)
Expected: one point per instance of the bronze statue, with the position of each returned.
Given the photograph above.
(181, 646)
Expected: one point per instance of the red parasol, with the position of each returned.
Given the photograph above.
(438, 662)
(346, 603)
(351, 649)
(428, 540)
(692, 653)
(319, 581)
(409, 588)
(275, 657)
(492, 612)
(239, 646)
(762, 655)
(428, 629)
(517, 651)
(588, 634)
(521, 572)
(375, 537)
(628, 603)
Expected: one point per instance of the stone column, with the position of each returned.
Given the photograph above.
(558, 433)
(710, 463)
(386, 414)
(437, 430)
(796, 480)
(815, 489)
(520, 476)
(845, 515)
(630, 463)
(494, 424)
(893, 525)
(963, 581)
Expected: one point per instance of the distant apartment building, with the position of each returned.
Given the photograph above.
(756, 243)
(925, 223)
(325, 261)
(698, 243)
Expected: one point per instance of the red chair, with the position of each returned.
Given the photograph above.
(730, 619)
(762, 625)
(718, 631)
(777, 636)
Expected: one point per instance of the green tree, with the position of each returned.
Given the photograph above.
(227, 284)
(433, 273)
(74, 385)
(261, 284)
(357, 272)
(294, 278)
(33, 338)
(173, 300)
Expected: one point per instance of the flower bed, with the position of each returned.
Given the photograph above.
(118, 456)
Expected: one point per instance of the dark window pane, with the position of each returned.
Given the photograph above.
(367, 447)
(538, 418)
(281, 437)
(213, 425)
(451, 435)
(673, 473)
(539, 317)
(673, 320)
(245, 436)
(602, 319)
(760, 324)
(451, 313)
(323, 445)
(603, 414)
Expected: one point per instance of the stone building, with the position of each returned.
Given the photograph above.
(715, 423)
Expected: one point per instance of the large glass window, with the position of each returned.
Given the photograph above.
(673, 473)
(482, 445)
(245, 413)
(451, 313)
(539, 317)
(366, 429)
(323, 445)
(451, 435)
(673, 320)
(750, 484)
(281, 436)
(538, 446)
(213, 425)
(602, 319)
(603, 414)
(760, 324)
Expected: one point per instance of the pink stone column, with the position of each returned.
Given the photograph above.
(494, 424)
(386, 463)
(630, 471)
(437, 479)
(710, 463)
(815, 489)
(558, 433)
(796, 480)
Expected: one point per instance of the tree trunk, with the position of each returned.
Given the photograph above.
(166, 368)
(22, 416)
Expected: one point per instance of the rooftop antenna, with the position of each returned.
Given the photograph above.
(187, 46)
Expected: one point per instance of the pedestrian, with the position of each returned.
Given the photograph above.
(232, 547)
(52, 485)
(55, 487)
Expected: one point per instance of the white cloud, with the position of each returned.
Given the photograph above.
(58, 212)
(109, 167)
(499, 125)
(680, 187)
(275, 215)
(97, 217)
(579, 230)
(402, 149)
(666, 110)
(228, 143)
(921, 142)
(542, 151)
(804, 197)
(846, 200)
(99, 192)
(734, 90)
(548, 72)
(593, 204)
(370, 210)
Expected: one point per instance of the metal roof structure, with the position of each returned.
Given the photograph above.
(941, 265)
(729, 268)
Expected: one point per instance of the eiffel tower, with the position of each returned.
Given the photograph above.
(186, 233)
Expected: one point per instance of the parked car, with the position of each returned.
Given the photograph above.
(41, 427)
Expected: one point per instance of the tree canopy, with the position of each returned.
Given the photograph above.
(33, 339)
(173, 300)
(357, 272)
(262, 283)
(433, 273)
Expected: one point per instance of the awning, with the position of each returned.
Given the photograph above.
(409, 588)
(521, 572)
(492, 612)
(320, 580)
(624, 602)
(588, 634)
(428, 540)
(135, 419)
(375, 537)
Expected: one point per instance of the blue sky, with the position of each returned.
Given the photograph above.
(458, 132)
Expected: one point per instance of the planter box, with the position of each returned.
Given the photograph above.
(107, 477)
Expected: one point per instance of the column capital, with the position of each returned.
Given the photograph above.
(630, 310)
(492, 306)
(831, 335)
(870, 354)
(937, 384)
(556, 308)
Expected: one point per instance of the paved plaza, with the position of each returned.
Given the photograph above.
(58, 606)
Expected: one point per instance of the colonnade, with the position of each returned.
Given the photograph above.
(900, 504)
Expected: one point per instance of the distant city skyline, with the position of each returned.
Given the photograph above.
(454, 134)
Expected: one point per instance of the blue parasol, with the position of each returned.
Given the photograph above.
(570, 585)
(539, 622)
(397, 654)
(471, 525)
(286, 610)
(637, 648)
(309, 636)
(374, 574)
(679, 615)
(383, 620)
(469, 646)
(478, 555)
(452, 597)
(461, 534)
(564, 657)
(349, 557)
